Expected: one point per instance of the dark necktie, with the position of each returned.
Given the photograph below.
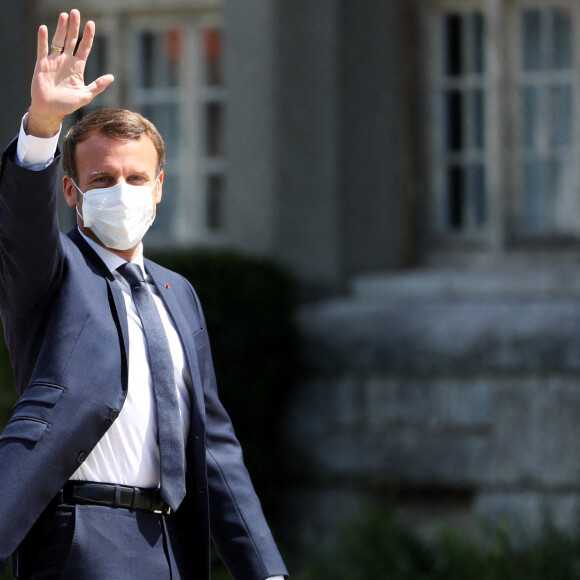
(170, 434)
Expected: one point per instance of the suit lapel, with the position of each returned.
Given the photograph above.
(115, 294)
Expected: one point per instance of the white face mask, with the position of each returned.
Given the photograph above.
(119, 215)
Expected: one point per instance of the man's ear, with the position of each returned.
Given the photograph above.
(159, 186)
(70, 191)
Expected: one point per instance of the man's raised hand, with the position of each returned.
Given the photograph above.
(58, 87)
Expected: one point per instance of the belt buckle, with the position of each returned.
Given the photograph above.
(165, 511)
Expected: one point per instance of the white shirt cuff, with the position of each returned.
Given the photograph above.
(35, 153)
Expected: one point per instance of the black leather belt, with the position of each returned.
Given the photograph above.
(107, 494)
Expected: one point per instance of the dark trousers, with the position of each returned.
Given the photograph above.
(87, 542)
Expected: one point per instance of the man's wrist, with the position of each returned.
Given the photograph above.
(42, 125)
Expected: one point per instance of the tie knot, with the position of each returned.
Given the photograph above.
(132, 273)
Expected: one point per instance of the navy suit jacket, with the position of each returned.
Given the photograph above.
(66, 329)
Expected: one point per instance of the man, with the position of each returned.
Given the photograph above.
(119, 461)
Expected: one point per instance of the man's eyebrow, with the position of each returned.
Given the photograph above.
(102, 172)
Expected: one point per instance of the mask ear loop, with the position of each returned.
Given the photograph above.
(76, 206)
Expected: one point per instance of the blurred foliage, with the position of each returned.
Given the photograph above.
(378, 545)
(7, 391)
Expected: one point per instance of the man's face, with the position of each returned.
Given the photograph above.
(104, 162)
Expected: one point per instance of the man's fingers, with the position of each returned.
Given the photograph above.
(100, 84)
(86, 43)
(72, 33)
(61, 29)
(42, 43)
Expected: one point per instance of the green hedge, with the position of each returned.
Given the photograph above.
(378, 545)
(7, 391)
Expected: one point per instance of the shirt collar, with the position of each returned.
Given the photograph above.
(111, 260)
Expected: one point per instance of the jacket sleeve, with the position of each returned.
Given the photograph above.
(31, 258)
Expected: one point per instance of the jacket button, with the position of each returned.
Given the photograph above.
(113, 414)
(81, 457)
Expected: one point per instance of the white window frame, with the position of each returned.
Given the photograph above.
(503, 130)
(468, 155)
(189, 221)
(569, 203)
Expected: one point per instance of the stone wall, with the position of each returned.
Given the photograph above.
(441, 386)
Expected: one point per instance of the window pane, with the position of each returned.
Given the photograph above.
(461, 122)
(478, 47)
(161, 230)
(531, 121)
(548, 202)
(561, 182)
(456, 202)
(214, 202)
(561, 116)
(212, 44)
(161, 54)
(166, 118)
(95, 66)
(453, 36)
(561, 177)
(476, 189)
(454, 120)
(534, 211)
(562, 39)
(478, 119)
(214, 129)
(532, 39)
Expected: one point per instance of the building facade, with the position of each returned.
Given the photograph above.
(347, 138)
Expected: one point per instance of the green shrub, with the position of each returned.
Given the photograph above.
(7, 390)
(378, 545)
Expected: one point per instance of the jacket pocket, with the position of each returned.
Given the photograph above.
(27, 422)
(36, 400)
(24, 429)
(41, 393)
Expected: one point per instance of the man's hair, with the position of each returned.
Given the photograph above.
(116, 124)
